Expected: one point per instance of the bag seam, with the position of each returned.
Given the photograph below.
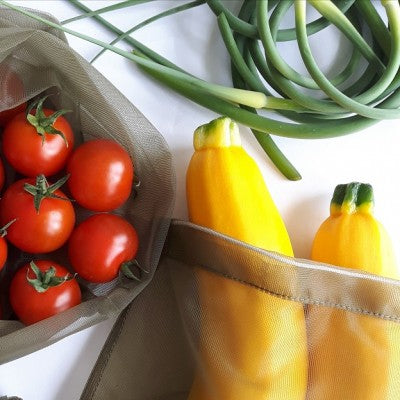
(299, 299)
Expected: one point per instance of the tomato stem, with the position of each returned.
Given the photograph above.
(47, 279)
(3, 229)
(127, 270)
(42, 189)
(42, 123)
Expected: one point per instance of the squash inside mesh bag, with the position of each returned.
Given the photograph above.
(355, 324)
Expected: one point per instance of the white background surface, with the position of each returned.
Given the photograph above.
(192, 40)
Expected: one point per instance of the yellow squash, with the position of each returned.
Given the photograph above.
(252, 344)
(353, 356)
(227, 193)
(351, 236)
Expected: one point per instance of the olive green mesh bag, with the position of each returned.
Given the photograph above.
(42, 59)
(216, 322)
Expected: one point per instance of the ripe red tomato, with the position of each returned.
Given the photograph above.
(31, 305)
(100, 245)
(3, 244)
(8, 115)
(2, 175)
(36, 231)
(3, 252)
(12, 87)
(101, 175)
(32, 154)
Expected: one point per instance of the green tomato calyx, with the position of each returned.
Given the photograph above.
(45, 279)
(133, 270)
(3, 229)
(42, 189)
(42, 123)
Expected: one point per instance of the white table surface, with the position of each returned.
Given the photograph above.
(192, 40)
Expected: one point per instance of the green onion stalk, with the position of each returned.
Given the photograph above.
(356, 98)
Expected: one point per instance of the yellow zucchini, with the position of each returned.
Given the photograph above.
(252, 344)
(351, 236)
(353, 356)
(227, 193)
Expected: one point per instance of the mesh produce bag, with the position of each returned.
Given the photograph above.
(42, 59)
(213, 297)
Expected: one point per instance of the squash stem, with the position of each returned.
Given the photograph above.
(352, 197)
(220, 132)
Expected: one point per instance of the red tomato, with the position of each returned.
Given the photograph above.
(8, 115)
(101, 175)
(11, 87)
(3, 244)
(29, 154)
(100, 245)
(3, 252)
(2, 175)
(36, 232)
(32, 306)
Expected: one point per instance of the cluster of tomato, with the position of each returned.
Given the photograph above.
(37, 217)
